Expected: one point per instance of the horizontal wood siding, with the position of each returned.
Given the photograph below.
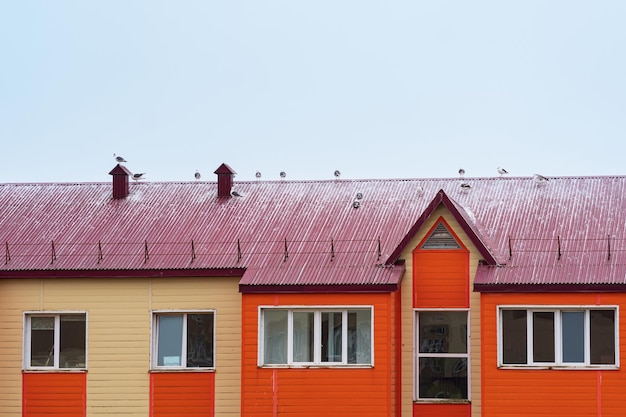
(54, 394)
(313, 392)
(118, 339)
(441, 278)
(189, 394)
(549, 393)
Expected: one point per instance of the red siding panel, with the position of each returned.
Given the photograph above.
(189, 394)
(62, 394)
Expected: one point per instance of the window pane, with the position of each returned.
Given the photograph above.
(360, 336)
(443, 332)
(514, 328)
(275, 336)
(443, 378)
(573, 324)
(42, 341)
(543, 336)
(331, 336)
(169, 345)
(72, 341)
(303, 336)
(602, 337)
(199, 340)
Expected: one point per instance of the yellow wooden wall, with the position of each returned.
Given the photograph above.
(408, 315)
(119, 321)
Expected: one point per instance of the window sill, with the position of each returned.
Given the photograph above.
(442, 401)
(184, 370)
(314, 366)
(54, 371)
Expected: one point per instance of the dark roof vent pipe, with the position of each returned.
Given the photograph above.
(225, 175)
(120, 181)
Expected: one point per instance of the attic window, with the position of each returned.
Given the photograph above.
(441, 238)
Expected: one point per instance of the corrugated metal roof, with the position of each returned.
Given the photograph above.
(309, 233)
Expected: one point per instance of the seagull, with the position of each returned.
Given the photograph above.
(337, 173)
(138, 176)
(197, 175)
(420, 190)
(540, 178)
(502, 171)
(465, 186)
(283, 174)
(258, 175)
(461, 172)
(235, 194)
(119, 159)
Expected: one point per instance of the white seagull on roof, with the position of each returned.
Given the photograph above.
(138, 176)
(465, 186)
(119, 159)
(502, 171)
(283, 174)
(337, 173)
(461, 172)
(197, 175)
(540, 178)
(258, 175)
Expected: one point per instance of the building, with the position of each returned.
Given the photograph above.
(342, 297)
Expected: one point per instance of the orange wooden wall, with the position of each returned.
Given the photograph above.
(189, 394)
(314, 392)
(441, 280)
(53, 393)
(544, 392)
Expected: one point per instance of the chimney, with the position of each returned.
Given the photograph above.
(120, 181)
(225, 175)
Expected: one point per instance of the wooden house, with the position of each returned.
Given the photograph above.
(398, 298)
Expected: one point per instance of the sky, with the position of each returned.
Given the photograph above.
(374, 89)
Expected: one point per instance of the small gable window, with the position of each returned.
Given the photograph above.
(441, 238)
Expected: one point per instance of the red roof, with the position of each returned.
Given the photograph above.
(309, 233)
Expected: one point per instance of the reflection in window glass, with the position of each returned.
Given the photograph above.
(303, 337)
(543, 336)
(275, 336)
(199, 340)
(72, 341)
(573, 324)
(170, 340)
(514, 336)
(602, 337)
(359, 336)
(42, 341)
(331, 336)
(443, 378)
(443, 331)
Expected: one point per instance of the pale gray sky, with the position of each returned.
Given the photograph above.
(376, 89)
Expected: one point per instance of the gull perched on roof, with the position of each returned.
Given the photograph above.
(258, 175)
(337, 173)
(461, 172)
(540, 179)
(283, 174)
(197, 175)
(138, 176)
(119, 159)
(502, 171)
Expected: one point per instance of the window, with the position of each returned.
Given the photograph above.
(55, 341)
(442, 355)
(332, 336)
(183, 340)
(576, 337)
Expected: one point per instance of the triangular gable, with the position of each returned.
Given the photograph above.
(460, 216)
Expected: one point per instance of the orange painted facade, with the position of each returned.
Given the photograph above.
(441, 281)
(549, 392)
(329, 391)
(191, 394)
(54, 393)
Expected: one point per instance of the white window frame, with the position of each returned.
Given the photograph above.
(26, 351)
(154, 329)
(418, 355)
(317, 332)
(558, 331)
